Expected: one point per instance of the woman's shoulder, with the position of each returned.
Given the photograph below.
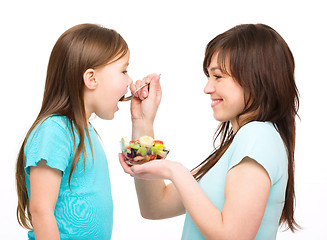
(263, 135)
(256, 129)
(262, 142)
(257, 125)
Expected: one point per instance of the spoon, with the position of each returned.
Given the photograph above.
(123, 98)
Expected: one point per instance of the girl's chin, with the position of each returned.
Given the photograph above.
(110, 115)
(107, 116)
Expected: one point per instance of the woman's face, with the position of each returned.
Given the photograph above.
(226, 94)
(113, 82)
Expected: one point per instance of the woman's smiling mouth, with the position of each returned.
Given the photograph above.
(215, 102)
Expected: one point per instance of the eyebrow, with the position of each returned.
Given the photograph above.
(214, 68)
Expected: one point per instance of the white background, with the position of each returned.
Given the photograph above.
(167, 37)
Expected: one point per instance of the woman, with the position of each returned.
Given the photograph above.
(245, 188)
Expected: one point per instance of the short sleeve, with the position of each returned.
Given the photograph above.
(51, 142)
(261, 142)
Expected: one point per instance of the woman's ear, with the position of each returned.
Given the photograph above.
(89, 79)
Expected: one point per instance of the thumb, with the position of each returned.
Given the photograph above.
(137, 169)
(155, 87)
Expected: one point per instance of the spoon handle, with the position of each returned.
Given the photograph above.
(130, 97)
(123, 99)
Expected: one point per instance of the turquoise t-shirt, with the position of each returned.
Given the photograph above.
(85, 211)
(261, 142)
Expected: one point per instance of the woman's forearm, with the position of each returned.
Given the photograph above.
(203, 212)
(149, 193)
(45, 226)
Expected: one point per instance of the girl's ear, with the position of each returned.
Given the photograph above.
(89, 79)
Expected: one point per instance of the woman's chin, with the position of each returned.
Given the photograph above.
(219, 118)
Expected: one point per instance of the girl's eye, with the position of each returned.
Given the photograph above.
(124, 72)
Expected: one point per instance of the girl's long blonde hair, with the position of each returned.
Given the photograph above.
(79, 48)
(259, 59)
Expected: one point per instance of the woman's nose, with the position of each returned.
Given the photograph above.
(208, 89)
(130, 80)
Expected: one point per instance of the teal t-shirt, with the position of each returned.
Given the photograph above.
(261, 142)
(86, 210)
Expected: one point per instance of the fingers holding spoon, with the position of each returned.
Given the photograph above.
(136, 93)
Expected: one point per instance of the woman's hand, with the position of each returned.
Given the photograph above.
(145, 105)
(153, 170)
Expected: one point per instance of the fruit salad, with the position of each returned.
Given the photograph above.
(143, 150)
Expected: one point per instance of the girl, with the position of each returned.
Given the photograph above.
(245, 188)
(62, 173)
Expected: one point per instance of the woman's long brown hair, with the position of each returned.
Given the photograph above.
(259, 59)
(79, 48)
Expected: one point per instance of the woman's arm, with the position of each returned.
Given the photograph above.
(45, 184)
(151, 194)
(246, 194)
(156, 200)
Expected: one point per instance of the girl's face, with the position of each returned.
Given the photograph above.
(226, 94)
(112, 83)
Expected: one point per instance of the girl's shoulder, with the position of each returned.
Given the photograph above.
(50, 140)
(59, 120)
(52, 126)
(55, 122)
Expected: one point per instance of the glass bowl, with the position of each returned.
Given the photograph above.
(143, 150)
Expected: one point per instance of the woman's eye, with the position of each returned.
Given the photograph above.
(124, 72)
(217, 76)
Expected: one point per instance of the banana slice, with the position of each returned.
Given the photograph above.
(146, 141)
(138, 158)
